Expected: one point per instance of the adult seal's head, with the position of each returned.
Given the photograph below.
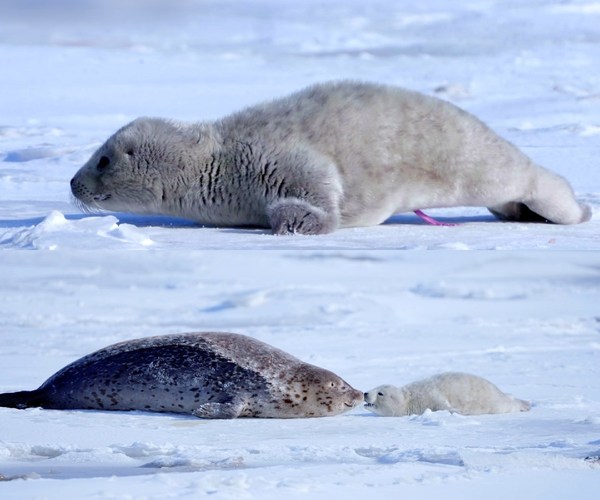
(210, 375)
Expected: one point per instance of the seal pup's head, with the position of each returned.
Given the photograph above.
(386, 400)
(142, 167)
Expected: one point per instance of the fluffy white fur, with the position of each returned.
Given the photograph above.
(332, 155)
(456, 392)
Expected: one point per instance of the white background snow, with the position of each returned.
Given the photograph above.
(525, 315)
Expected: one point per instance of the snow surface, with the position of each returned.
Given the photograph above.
(526, 316)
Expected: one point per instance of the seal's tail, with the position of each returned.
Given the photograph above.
(523, 405)
(22, 399)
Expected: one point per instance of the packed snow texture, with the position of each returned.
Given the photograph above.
(527, 319)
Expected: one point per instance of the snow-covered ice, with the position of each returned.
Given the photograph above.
(525, 315)
(527, 321)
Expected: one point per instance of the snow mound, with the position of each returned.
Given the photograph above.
(55, 230)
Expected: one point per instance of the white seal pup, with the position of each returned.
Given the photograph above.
(332, 155)
(209, 375)
(456, 392)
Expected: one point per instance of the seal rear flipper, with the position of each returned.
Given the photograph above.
(550, 200)
(218, 410)
(23, 399)
(518, 212)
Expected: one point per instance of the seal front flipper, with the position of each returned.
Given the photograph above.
(219, 410)
(306, 199)
(295, 216)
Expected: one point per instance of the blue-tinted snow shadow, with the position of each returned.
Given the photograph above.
(400, 219)
(412, 219)
(134, 220)
(179, 223)
(223, 306)
(156, 221)
(166, 221)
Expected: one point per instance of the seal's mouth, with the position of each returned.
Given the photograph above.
(353, 403)
(102, 197)
(85, 197)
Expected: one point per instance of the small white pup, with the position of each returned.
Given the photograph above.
(456, 392)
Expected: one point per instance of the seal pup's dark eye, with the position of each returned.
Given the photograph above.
(380, 393)
(129, 152)
(103, 163)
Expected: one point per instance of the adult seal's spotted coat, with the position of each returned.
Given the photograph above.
(333, 155)
(209, 375)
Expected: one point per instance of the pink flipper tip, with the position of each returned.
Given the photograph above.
(431, 220)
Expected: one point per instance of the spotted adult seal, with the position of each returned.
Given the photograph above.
(209, 375)
(456, 392)
(333, 155)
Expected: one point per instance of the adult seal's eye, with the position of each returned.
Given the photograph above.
(103, 163)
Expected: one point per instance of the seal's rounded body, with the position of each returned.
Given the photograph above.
(210, 375)
(456, 392)
(332, 155)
